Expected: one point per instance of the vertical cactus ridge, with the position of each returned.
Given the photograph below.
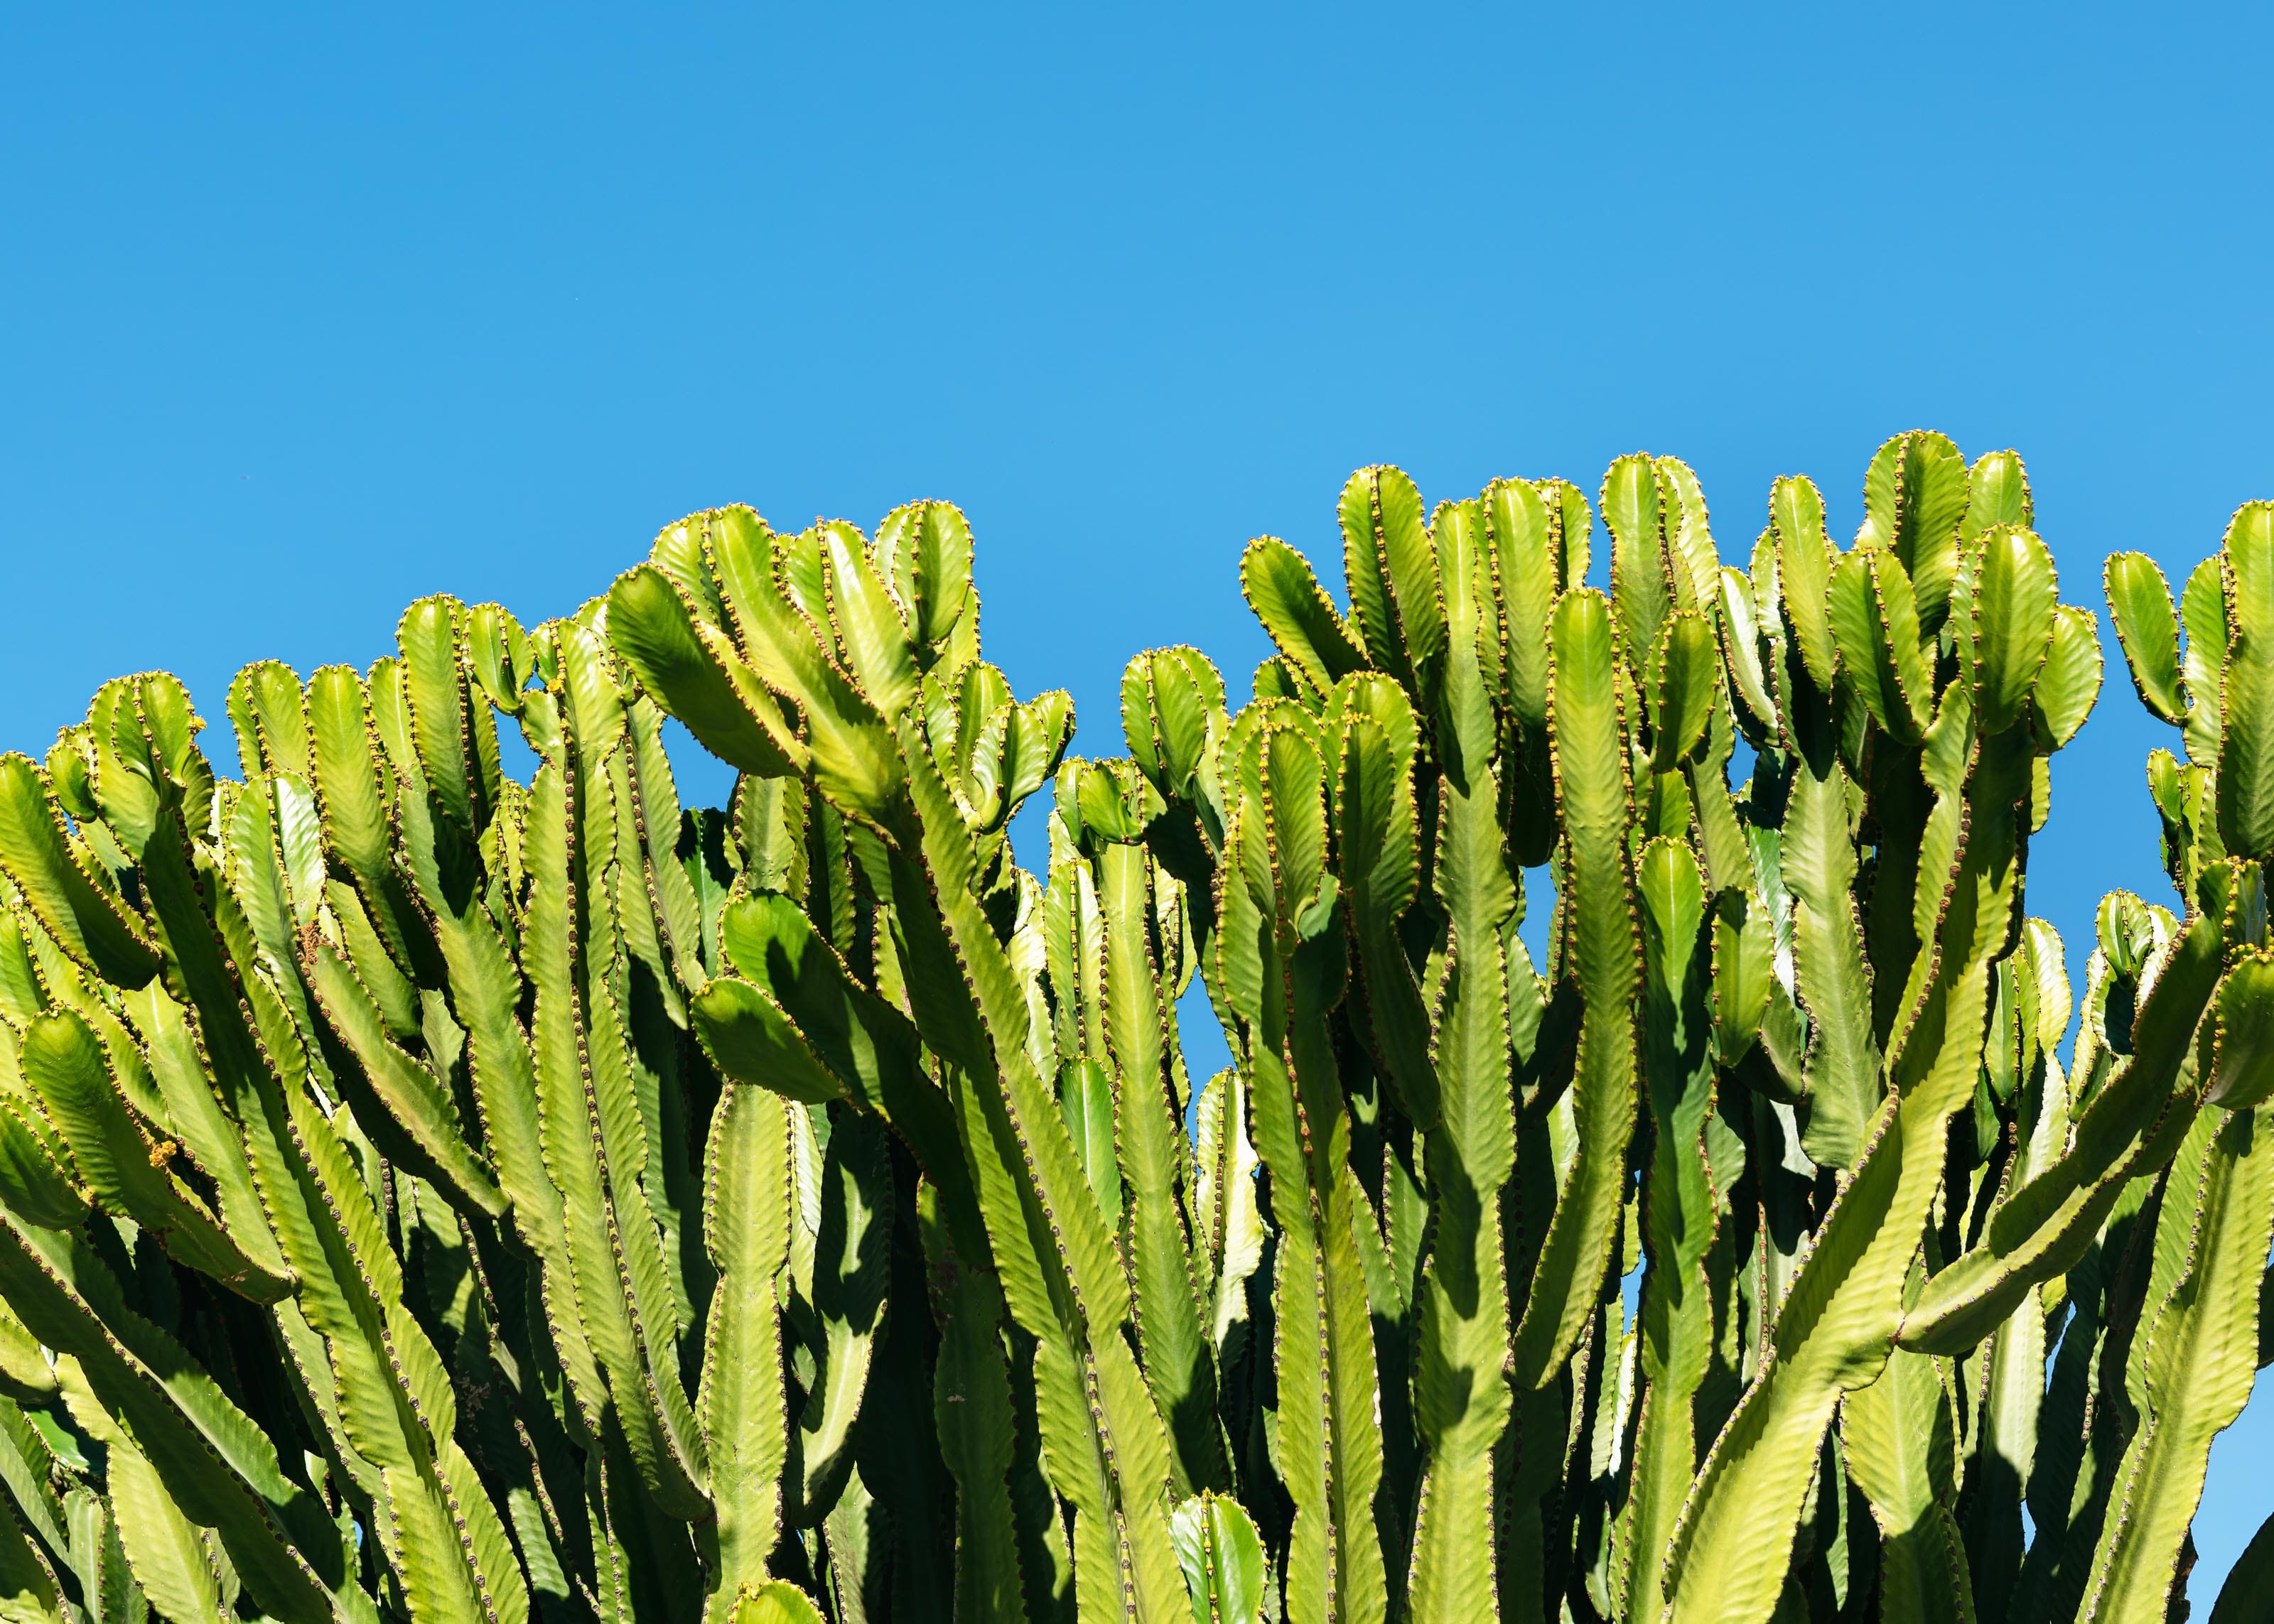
(1588, 724)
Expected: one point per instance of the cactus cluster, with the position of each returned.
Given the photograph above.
(426, 1195)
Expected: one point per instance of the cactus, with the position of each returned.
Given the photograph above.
(429, 1194)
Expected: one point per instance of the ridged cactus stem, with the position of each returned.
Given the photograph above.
(1461, 1397)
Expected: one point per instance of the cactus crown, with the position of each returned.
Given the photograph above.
(429, 1195)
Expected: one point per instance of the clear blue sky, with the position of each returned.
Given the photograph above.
(310, 313)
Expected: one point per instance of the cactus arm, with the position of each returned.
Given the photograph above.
(391, 991)
(1286, 596)
(750, 1037)
(409, 1094)
(1732, 1545)
(1222, 1559)
(2204, 613)
(217, 1463)
(1378, 836)
(1802, 558)
(434, 689)
(2242, 1069)
(654, 800)
(1526, 564)
(587, 1292)
(747, 1213)
(1527, 572)
(2044, 1225)
(1916, 495)
(1875, 626)
(923, 549)
(1683, 688)
(114, 1155)
(870, 630)
(853, 758)
(1227, 1220)
(1280, 971)
(1063, 1277)
(868, 1046)
(2014, 624)
(26, 1470)
(2246, 748)
(166, 1551)
(1388, 562)
(28, 1587)
(1721, 843)
(1461, 1399)
(2013, 1404)
(2199, 1361)
(1154, 1157)
(1640, 591)
(1590, 754)
(1897, 1434)
(2069, 685)
(2013, 1400)
(354, 791)
(85, 920)
(1996, 492)
(2148, 628)
(1739, 624)
(1817, 866)
(1681, 1214)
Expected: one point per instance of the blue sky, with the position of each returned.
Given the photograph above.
(311, 313)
